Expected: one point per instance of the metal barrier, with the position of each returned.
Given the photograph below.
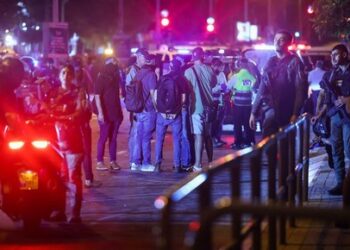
(287, 155)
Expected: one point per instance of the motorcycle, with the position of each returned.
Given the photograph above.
(31, 185)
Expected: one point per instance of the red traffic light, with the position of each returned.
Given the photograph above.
(210, 27)
(165, 21)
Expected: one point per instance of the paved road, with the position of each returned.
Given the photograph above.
(118, 215)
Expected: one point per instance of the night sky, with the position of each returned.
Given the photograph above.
(97, 20)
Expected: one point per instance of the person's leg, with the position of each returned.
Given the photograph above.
(75, 189)
(87, 161)
(148, 128)
(137, 134)
(104, 128)
(198, 131)
(221, 115)
(198, 147)
(249, 137)
(113, 145)
(337, 153)
(208, 141)
(237, 123)
(269, 125)
(185, 142)
(113, 140)
(160, 135)
(176, 127)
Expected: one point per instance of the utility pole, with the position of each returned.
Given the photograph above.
(63, 10)
(300, 16)
(121, 16)
(245, 11)
(157, 16)
(55, 11)
(211, 8)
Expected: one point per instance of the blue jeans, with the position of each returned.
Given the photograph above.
(140, 137)
(340, 140)
(162, 125)
(108, 130)
(185, 139)
(72, 175)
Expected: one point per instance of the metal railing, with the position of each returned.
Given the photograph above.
(287, 156)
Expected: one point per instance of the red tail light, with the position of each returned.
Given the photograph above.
(40, 144)
(15, 145)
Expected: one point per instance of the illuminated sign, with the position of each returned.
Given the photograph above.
(246, 32)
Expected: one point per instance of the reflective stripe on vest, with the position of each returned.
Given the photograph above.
(243, 88)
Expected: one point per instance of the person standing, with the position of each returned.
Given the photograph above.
(337, 88)
(68, 108)
(202, 79)
(241, 85)
(218, 96)
(109, 114)
(170, 97)
(84, 82)
(144, 121)
(283, 89)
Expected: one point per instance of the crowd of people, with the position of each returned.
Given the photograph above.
(191, 97)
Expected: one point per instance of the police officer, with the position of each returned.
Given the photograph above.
(337, 87)
(241, 85)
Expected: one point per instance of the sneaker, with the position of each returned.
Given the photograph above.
(134, 167)
(157, 168)
(196, 168)
(92, 184)
(114, 165)
(147, 168)
(101, 166)
(337, 190)
(75, 220)
(185, 169)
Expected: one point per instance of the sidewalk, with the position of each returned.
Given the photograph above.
(312, 234)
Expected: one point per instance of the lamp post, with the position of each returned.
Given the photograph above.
(63, 4)
(157, 16)
(55, 10)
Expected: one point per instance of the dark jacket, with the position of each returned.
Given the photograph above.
(283, 87)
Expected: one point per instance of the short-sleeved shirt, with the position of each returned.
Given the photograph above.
(314, 78)
(208, 81)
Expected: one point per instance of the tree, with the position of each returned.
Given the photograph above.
(332, 18)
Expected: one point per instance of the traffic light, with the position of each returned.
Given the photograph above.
(210, 24)
(165, 18)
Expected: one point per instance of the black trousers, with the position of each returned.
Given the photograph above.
(242, 132)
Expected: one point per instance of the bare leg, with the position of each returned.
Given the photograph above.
(198, 148)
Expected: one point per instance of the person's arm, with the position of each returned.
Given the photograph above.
(297, 75)
(100, 115)
(98, 93)
(131, 75)
(262, 91)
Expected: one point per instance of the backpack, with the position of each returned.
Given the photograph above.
(169, 95)
(134, 96)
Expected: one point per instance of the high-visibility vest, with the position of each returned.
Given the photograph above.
(244, 83)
